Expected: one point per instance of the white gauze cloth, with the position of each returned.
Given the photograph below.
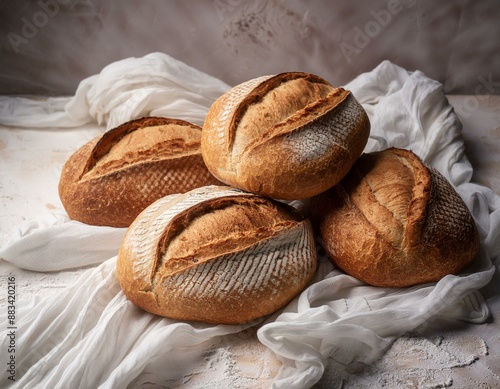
(154, 85)
(91, 336)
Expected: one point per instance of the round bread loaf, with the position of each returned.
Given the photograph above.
(289, 136)
(394, 221)
(216, 255)
(112, 178)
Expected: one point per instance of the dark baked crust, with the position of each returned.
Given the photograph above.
(101, 185)
(216, 255)
(394, 222)
(289, 136)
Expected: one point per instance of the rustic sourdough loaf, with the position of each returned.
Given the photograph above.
(289, 136)
(112, 178)
(216, 255)
(393, 221)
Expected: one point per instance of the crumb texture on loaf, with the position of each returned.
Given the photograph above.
(287, 136)
(112, 178)
(393, 221)
(217, 255)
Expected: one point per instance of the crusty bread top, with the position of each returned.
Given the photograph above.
(268, 106)
(249, 219)
(114, 176)
(394, 221)
(288, 136)
(392, 193)
(216, 254)
(142, 140)
(212, 228)
(280, 104)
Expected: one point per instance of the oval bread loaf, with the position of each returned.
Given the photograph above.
(394, 222)
(112, 178)
(216, 255)
(289, 136)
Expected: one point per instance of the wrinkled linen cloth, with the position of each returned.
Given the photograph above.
(90, 335)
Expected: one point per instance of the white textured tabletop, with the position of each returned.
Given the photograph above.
(440, 355)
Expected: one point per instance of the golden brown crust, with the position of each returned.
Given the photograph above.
(289, 136)
(112, 178)
(393, 221)
(217, 255)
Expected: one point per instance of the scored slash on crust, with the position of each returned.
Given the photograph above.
(395, 222)
(254, 134)
(110, 179)
(174, 262)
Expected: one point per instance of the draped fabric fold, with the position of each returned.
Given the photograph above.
(90, 335)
